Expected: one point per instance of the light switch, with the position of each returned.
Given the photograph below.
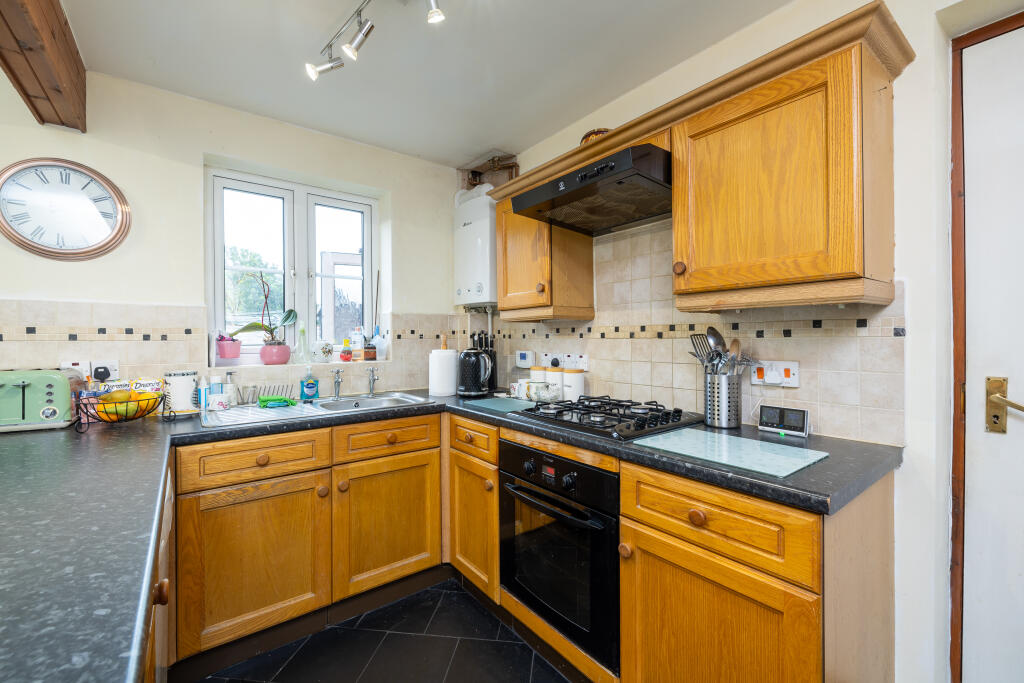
(776, 373)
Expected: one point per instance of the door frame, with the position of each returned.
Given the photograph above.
(959, 286)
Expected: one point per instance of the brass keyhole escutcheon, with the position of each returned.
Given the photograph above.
(995, 412)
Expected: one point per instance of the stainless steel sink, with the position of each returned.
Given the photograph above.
(391, 399)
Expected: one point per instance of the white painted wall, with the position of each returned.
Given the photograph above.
(922, 102)
(154, 143)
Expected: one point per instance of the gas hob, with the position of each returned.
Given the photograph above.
(615, 418)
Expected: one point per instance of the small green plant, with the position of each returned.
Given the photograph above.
(265, 325)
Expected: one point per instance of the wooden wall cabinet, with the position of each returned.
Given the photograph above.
(789, 182)
(473, 491)
(387, 520)
(544, 272)
(251, 556)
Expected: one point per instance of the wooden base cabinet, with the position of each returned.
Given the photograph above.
(474, 521)
(387, 520)
(251, 556)
(691, 615)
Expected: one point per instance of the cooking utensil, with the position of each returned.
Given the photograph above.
(701, 346)
(734, 347)
(716, 340)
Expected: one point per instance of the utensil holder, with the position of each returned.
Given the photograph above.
(723, 402)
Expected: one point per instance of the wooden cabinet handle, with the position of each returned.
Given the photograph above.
(540, 287)
(678, 267)
(262, 459)
(343, 486)
(161, 592)
(392, 437)
(697, 517)
(625, 551)
(488, 484)
(322, 491)
(468, 438)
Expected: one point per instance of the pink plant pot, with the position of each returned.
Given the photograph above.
(275, 354)
(229, 349)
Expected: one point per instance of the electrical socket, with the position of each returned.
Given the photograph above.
(776, 373)
(80, 365)
(110, 365)
(566, 360)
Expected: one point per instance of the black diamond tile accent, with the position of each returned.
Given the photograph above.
(735, 326)
(30, 330)
(787, 333)
(862, 322)
(671, 328)
(131, 330)
(460, 615)
(421, 336)
(692, 327)
(602, 335)
(411, 658)
(588, 329)
(72, 337)
(398, 336)
(816, 323)
(101, 330)
(188, 330)
(896, 332)
(163, 337)
(572, 329)
(318, 659)
(660, 335)
(1, 337)
(262, 667)
(558, 330)
(643, 328)
(493, 661)
(412, 331)
(408, 615)
(437, 336)
(616, 328)
(759, 334)
(146, 337)
(581, 335)
(547, 336)
(632, 334)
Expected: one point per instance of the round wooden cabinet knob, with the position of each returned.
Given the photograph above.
(697, 518)
(262, 459)
(625, 551)
(322, 491)
(392, 437)
(468, 438)
(488, 485)
(161, 592)
(343, 486)
(678, 267)
(540, 287)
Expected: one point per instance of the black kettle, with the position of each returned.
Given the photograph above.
(475, 368)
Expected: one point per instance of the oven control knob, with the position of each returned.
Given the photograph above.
(530, 467)
(569, 481)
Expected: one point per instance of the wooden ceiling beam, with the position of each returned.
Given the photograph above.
(39, 55)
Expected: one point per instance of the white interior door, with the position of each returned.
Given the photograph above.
(993, 95)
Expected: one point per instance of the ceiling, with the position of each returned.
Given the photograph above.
(496, 75)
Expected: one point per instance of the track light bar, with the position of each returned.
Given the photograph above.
(434, 13)
(352, 49)
(314, 70)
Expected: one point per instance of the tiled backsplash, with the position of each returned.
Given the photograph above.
(851, 358)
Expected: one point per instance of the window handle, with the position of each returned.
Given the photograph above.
(293, 273)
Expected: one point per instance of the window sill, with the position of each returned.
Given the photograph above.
(254, 362)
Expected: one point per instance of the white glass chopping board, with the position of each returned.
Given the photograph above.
(765, 457)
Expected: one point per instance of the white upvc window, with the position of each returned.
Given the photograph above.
(313, 246)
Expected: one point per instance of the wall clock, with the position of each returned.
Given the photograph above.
(62, 210)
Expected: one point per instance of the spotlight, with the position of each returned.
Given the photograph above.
(314, 70)
(434, 13)
(364, 30)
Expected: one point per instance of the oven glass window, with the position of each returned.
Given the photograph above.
(552, 561)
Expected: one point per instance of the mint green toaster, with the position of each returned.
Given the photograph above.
(34, 399)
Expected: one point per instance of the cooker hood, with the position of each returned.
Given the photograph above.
(616, 192)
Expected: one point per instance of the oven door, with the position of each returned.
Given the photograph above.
(559, 559)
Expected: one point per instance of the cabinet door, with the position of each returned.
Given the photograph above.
(387, 520)
(524, 260)
(474, 506)
(251, 556)
(767, 185)
(691, 615)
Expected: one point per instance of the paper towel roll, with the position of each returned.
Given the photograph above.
(442, 367)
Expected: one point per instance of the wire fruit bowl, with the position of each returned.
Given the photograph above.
(119, 411)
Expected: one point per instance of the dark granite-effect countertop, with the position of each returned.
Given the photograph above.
(79, 516)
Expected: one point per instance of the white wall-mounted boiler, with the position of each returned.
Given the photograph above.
(476, 280)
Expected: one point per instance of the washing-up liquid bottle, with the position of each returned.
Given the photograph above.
(309, 387)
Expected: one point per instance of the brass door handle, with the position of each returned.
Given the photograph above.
(1003, 401)
(996, 403)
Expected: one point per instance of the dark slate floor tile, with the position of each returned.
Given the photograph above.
(351, 622)
(335, 655)
(483, 661)
(448, 585)
(505, 633)
(262, 667)
(410, 658)
(460, 615)
(544, 672)
(408, 615)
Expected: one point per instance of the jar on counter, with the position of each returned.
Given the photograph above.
(538, 373)
(346, 352)
(572, 386)
(555, 378)
(370, 352)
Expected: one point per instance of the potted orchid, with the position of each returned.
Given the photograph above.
(228, 346)
(274, 351)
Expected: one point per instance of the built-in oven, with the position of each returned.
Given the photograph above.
(559, 539)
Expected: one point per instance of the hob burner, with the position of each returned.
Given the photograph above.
(606, 416)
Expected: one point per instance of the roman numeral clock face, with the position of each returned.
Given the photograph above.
(61, 209)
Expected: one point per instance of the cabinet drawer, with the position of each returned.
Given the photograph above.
(475, 438)
(210, 465)
(386, 437)
(777, 539)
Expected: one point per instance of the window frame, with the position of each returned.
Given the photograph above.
(300, 270)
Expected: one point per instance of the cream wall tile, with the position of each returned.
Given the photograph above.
(641, 349)
(881, 390)
(879, 354)
(641, 392)
(641, 373)
(839, 387)
(640, 290)
(663, 395)
(662, 375)
(839, 421)
(661, 350)
(883, 426)
(661, 287)
(686, 399)
(640, 243)
(640, 266)
(839, 354)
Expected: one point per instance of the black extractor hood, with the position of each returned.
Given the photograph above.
(616, 192)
